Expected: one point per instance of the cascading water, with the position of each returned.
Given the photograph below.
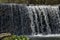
(29, 20)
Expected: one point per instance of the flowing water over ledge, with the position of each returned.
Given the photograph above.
(29, 20)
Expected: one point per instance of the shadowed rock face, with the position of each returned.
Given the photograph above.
(18, 19)
(14, 19)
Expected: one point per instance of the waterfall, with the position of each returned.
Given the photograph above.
(44, 19)
(29, 20)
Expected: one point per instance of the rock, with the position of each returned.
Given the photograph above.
(4, 35)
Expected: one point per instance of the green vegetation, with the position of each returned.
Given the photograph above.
(32, 1)
(14, 37)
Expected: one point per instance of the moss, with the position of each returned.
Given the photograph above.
(48, 2)
(14, 37)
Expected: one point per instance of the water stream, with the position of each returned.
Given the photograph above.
(29, 20)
